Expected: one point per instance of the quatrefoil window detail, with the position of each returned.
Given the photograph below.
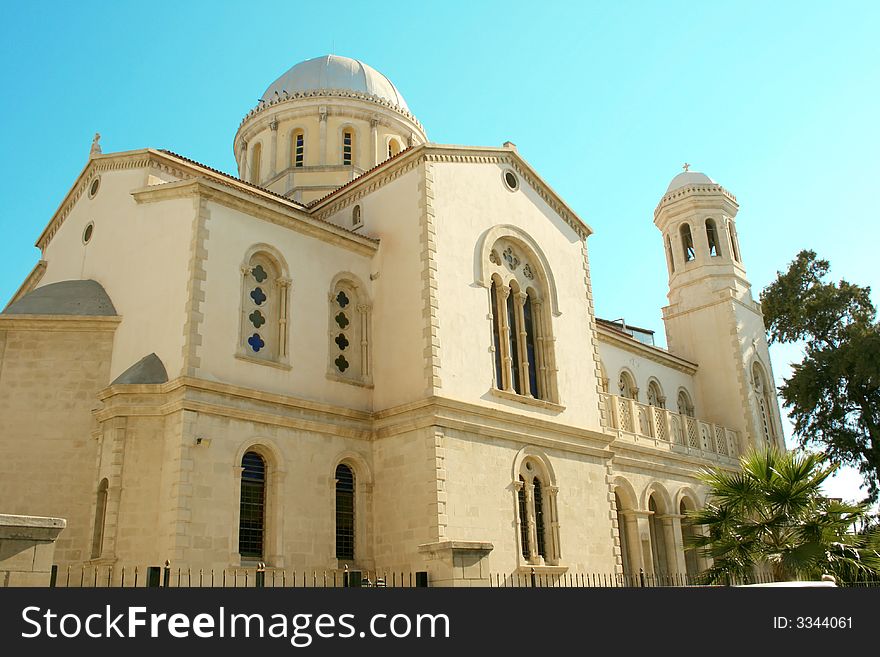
(256, 342)
(341, 363)
(259, 273)
(257, 319)
(528, 273)
(494, 258)
(342, 299)
(510, 258)
(342, 320)
(258, 296)
(341, 341)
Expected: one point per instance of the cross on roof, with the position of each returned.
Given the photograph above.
(686, 166)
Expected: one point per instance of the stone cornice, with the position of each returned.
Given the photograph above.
(30, 282)
(661, 356)
(59, 322)
(391, 169)
(95, 165)
(693, 190)
(265, 208)
(284, 98)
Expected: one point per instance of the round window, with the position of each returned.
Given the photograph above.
(511, 181)
(87, 233)
(93, 188)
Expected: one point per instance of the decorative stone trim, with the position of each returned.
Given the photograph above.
(430, 303)
(195, 293)
(30, 282)
(529, 401)
(261, 361)
(286, 97)
(689, 190)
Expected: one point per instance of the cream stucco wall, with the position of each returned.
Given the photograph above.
(468, 200)
(130, 246)
(311, 266)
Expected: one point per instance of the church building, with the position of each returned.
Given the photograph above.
(371, 351)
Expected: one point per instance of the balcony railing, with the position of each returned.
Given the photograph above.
(668, 428)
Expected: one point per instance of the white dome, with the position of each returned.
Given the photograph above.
(686, 178)
(334, 72)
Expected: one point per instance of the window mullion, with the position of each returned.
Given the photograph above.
(522, 342)
(502, 291)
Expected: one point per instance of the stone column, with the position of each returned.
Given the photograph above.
(374, 140)
(322, 150)
(283, 289)
(532, 525)
(671, 523)
(522, 338)
(501, 293)
(273, 148)
(633, 521)
(643, 532)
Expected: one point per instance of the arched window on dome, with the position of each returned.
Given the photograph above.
(256, 161)
(522, 342)
(393, 147)
(349, 321)
(734, 242)
(348, 146)
(687, 242)
(765, 403)
(712, 238)
(655, 395)
(298, 148)
(669, 257)
(263, 309)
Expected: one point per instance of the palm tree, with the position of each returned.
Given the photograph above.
(771, 514)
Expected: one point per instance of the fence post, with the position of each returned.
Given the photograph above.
(533, 578)
(166, 580)
(641, 577)
(260, 577)
(154, 576)
(54, 576)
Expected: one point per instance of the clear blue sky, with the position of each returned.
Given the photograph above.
(779, 102)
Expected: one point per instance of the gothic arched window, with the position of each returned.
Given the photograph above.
(100, 519)
(263, 309)
(356, 216)
(734, 242)
(298, 148)
(626, 386)
(344, 512)
(537, 513)
(765, 403)
(350, 330)
(687, 242)
(524, 362)
(256, 161)
(685, 405)
(348, 146)
(712, 238)
(655, 395)
(252, 513)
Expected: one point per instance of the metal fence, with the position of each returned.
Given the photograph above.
(254, 577)
(262, 577)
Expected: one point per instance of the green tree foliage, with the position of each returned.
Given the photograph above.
(833, 395)
(772, 514)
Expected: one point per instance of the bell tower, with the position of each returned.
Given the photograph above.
(712, 318)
